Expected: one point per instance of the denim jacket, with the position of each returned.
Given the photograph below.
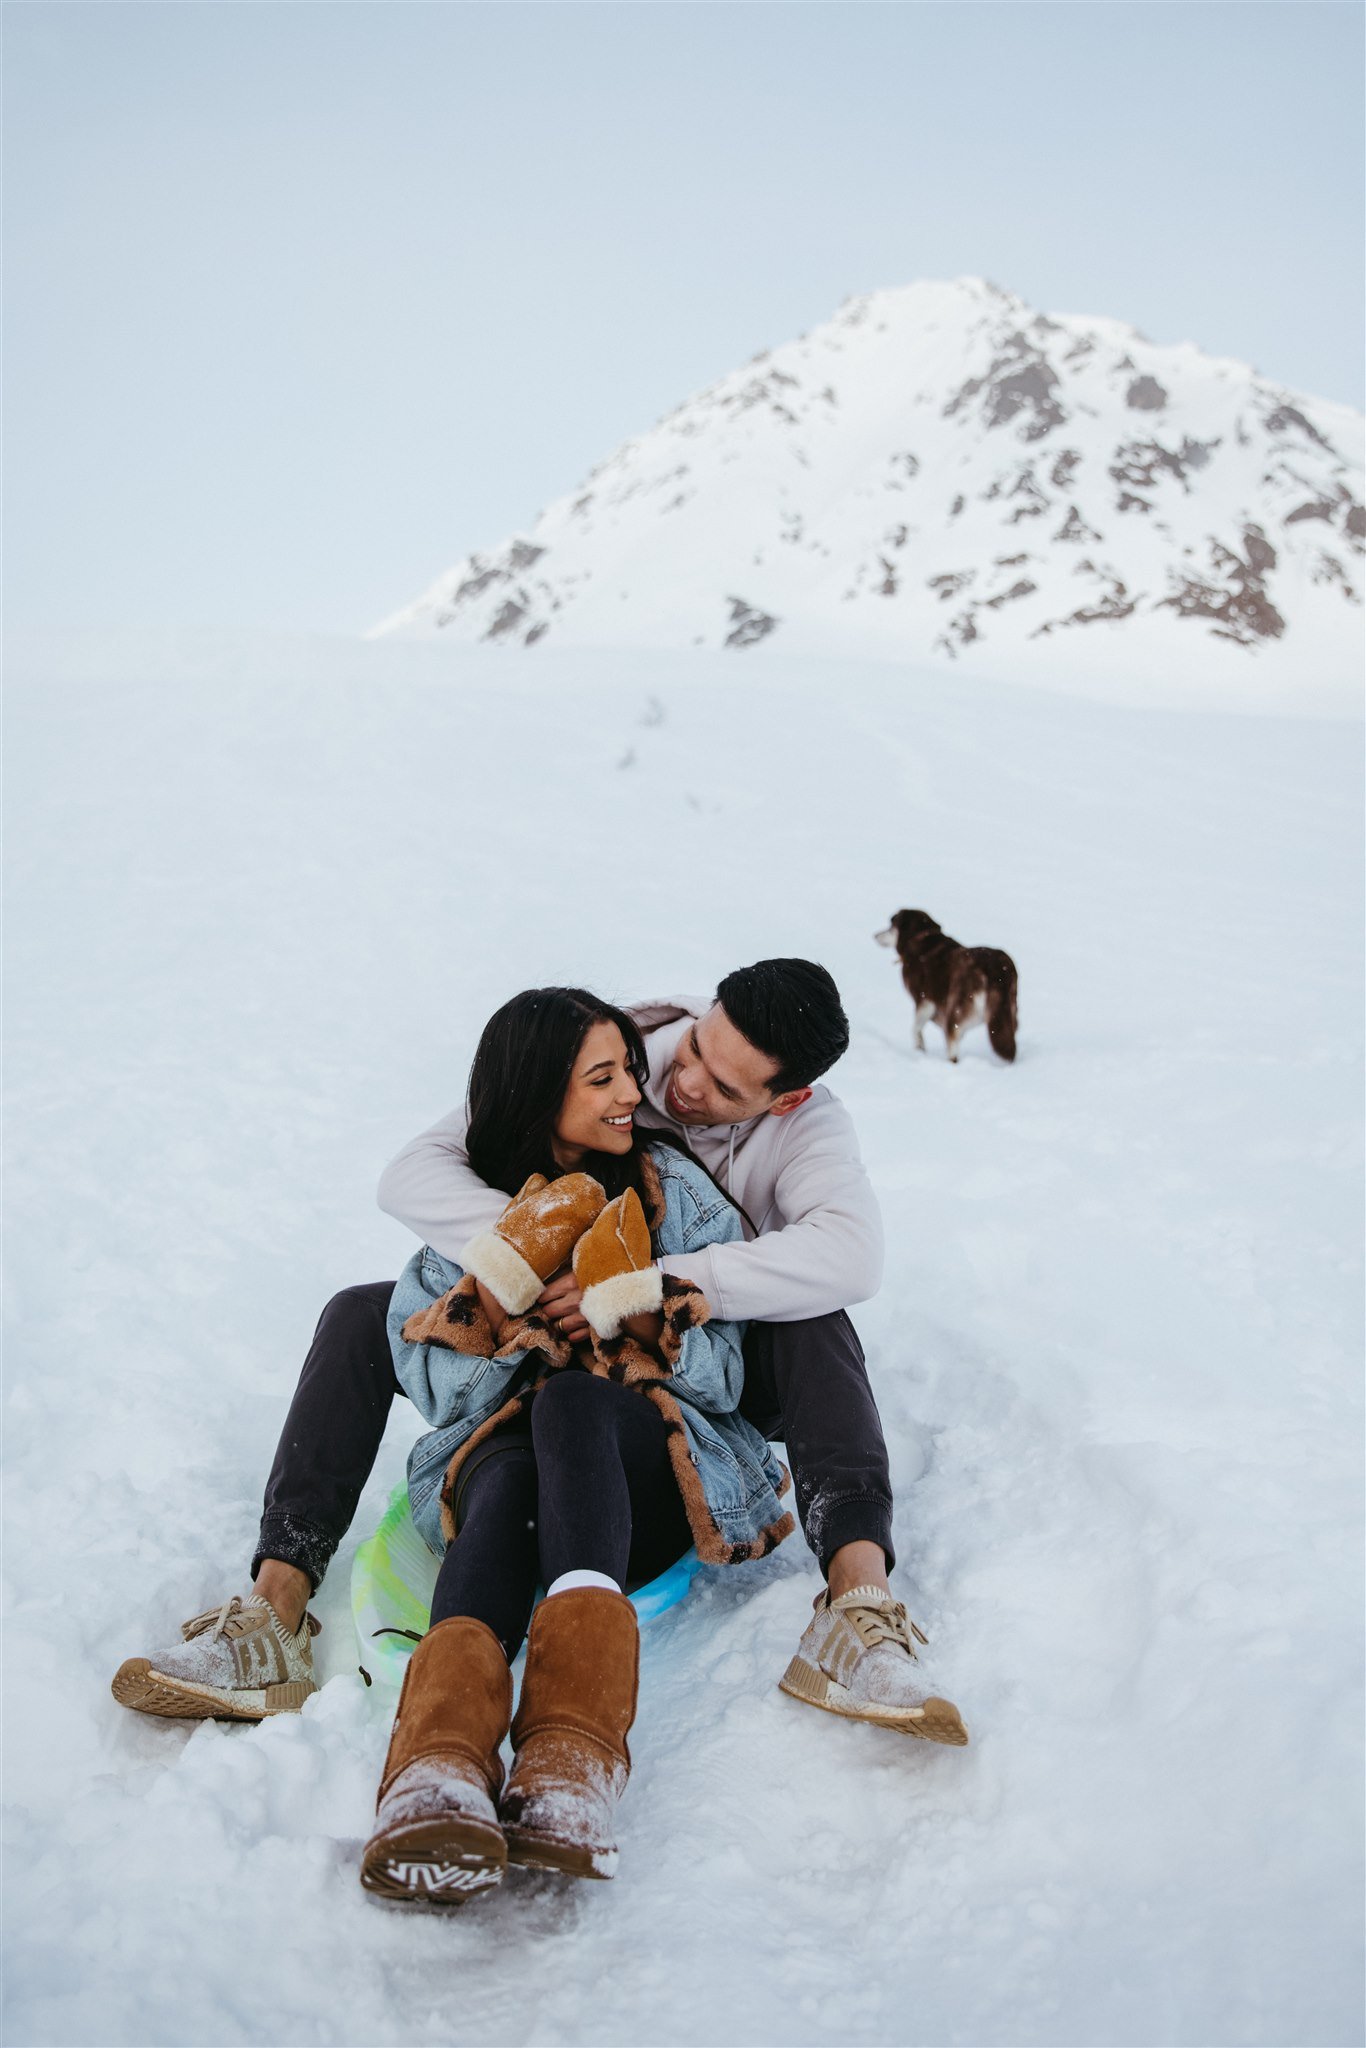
(726, 1472)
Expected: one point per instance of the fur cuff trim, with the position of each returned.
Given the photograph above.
(457, 1320)
(626, 1358)
(513, 1284)
(608, 1305)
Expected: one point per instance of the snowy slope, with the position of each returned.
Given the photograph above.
(942, 472)
(263, 893)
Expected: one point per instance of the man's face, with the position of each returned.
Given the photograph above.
(718, 1077)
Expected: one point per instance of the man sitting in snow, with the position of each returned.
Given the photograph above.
(737, 1077)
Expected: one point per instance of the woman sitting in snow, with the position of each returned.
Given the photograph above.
(584, 1454)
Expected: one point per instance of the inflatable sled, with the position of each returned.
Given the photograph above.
(393, 1576)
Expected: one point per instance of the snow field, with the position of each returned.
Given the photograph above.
(263, 894)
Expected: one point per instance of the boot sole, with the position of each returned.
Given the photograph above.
(135, 1684)
(542, 1852)
(443, 1862)
(937, 1721)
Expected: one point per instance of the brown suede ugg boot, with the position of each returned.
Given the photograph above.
(436, 1835)
(571, 1764)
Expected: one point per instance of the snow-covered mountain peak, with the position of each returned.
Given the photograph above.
(942, 470)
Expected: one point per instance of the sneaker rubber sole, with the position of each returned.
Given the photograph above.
(936, 1721)
(438, 1862)
(135, 1684)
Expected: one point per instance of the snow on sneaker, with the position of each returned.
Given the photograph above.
(856, 1658)
(238, 1662)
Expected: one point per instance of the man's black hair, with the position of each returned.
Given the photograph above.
(791, 1010)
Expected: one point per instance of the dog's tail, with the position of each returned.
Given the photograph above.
(1002, 1010)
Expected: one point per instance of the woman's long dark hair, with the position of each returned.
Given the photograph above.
(522, 1068)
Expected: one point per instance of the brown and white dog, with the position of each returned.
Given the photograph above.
(955, 986)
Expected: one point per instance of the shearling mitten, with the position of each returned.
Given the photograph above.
(614, 1265)
(532, 1238)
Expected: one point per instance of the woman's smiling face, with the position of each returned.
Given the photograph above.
(600, 1100)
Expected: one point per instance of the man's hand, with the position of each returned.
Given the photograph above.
(558, 1301)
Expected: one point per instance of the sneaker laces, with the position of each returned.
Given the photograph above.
(233, 1618)
(884, 1621)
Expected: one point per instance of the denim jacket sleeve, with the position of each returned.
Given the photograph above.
(709, 1371)
(442, 1384)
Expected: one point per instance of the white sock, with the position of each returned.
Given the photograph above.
(568, 1582)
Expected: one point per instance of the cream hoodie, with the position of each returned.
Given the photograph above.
(799, 1177)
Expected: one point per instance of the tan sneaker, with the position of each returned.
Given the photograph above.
(238, 1662)
(857, 1659)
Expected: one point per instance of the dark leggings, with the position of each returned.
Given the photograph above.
(594, 1491)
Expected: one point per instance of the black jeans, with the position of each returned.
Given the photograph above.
(591, 1490)
(805, 1382)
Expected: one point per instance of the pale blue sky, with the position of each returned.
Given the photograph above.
(305, 300)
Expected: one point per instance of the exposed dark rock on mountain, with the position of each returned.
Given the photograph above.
(947, 449)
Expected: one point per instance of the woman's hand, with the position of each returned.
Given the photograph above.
(558, 1301)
